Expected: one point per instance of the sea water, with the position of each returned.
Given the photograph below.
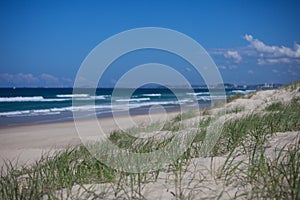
(20, 106)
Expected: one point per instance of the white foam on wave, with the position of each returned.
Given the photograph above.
(18, 99)
(198, 93)
(28, 99)
(152, 103)
(132, 100)
(60, 98)
(183, 101)
(99, 97)
(204, 98)
(152, 95)
(41, 111)
(51, 111)
(14, 113)
(242, 91)
(83, 96)
(209, 98)
(27, 113)
(72, 95)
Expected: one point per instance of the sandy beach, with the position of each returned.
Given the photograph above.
(264, 118)
(25, 144)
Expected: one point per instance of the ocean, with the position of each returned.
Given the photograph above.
(23, 106)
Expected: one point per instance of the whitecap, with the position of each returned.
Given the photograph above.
(72, 95)
(152, 95)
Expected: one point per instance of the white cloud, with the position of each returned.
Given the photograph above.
(18, 78)
(250, 72)
(234, 55)
(270, 54)
(273, 61)
(222, 67)
(275, 71)
(248, 37)
(49, 79)
(29, 80)
(264, 54)
(231, 67)
(242, 51)
(274, 50)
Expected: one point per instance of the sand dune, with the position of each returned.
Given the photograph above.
(202, 177)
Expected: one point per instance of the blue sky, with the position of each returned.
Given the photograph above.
(43, 43)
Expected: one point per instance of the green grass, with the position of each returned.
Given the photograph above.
(256, 125)
(183, 116)
(249, 133)
(277, 106)
(138, 145)
(276, 178)
(237, 96)
(51, 173)
(293, 86)
(236, 110)
(267, 178)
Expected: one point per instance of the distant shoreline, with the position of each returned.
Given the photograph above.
(133, 113)
(44, 120)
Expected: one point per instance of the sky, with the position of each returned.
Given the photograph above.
(43, 43)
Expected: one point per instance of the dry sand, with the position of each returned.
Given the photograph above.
(25, 144)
